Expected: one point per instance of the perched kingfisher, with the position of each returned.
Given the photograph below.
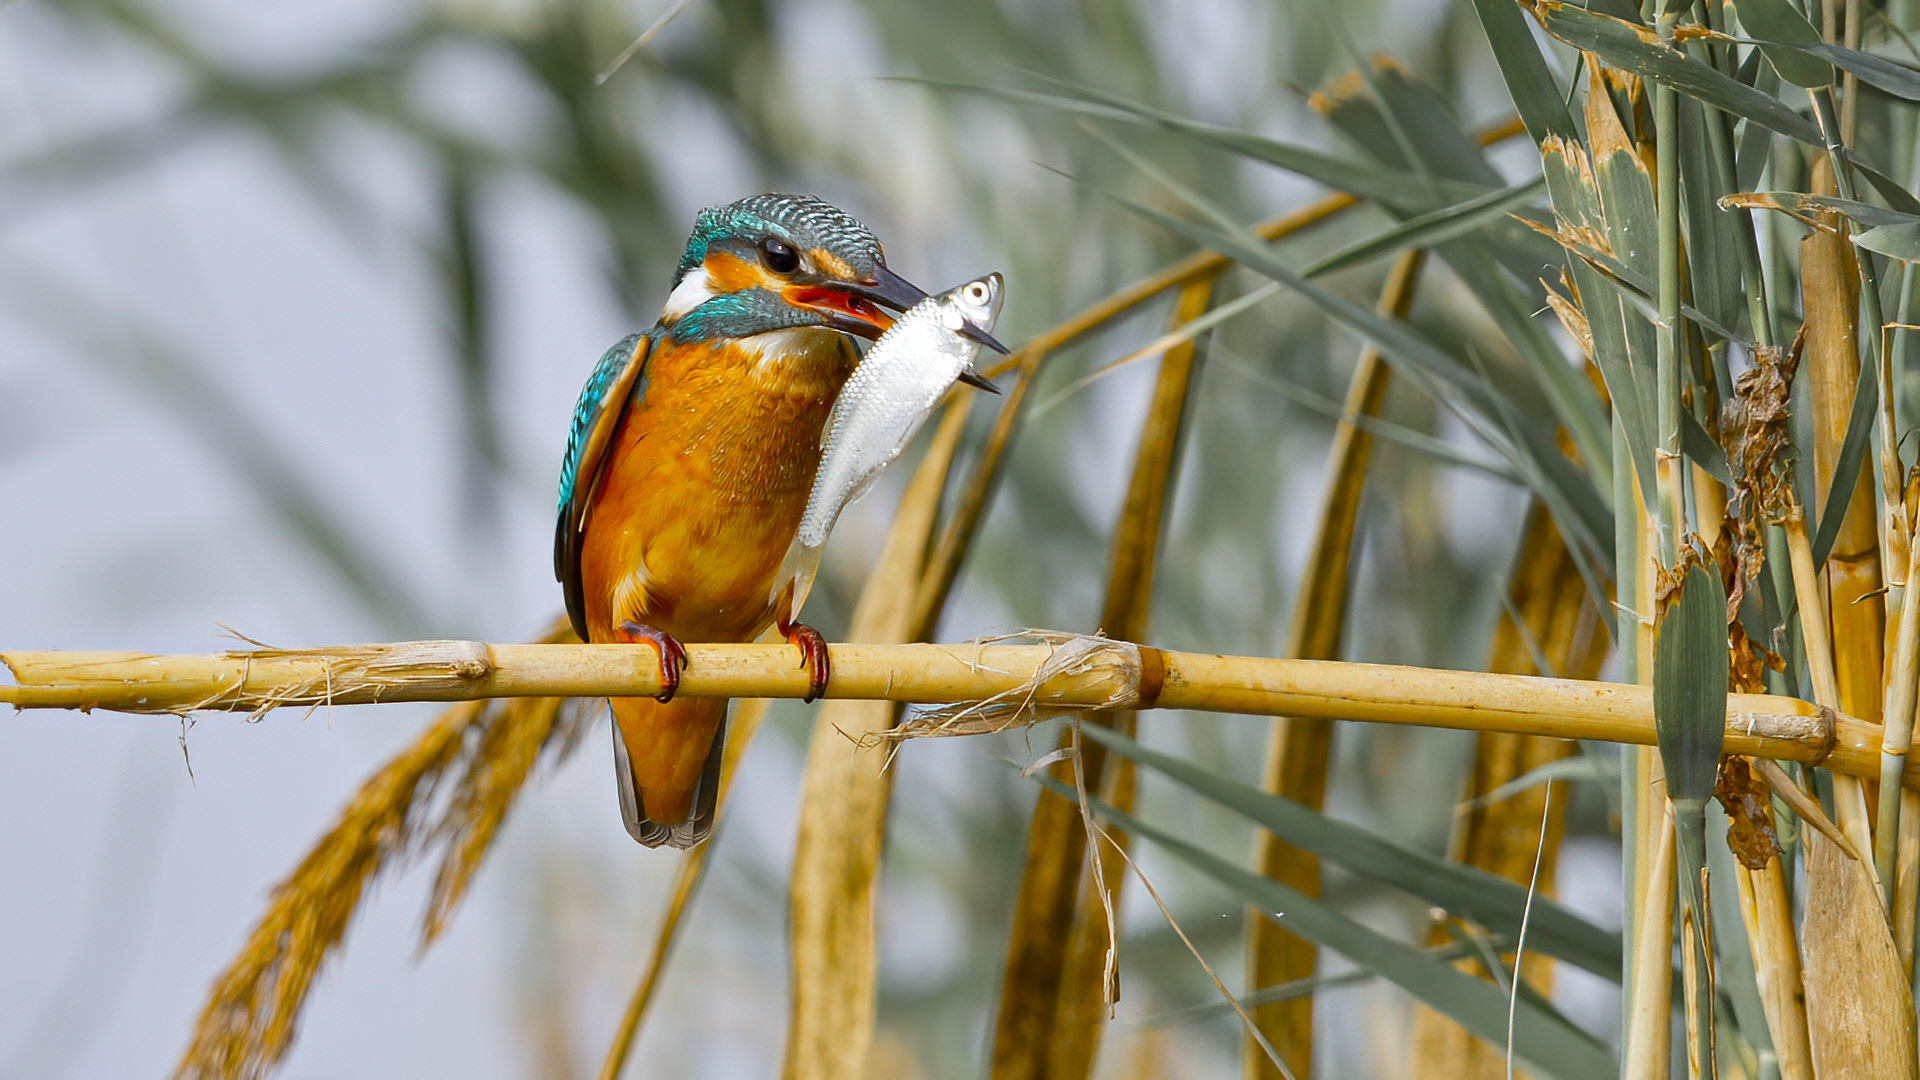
(692, 451)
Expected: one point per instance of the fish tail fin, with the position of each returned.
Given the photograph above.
(794, 581)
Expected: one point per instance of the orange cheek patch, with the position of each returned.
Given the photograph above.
(728, 273)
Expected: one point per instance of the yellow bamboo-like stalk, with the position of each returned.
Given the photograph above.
(1897, 740)
(742, 723)
(1810, 597)
(1298, 750)
(1649, 1018)
(1859, 1003)
(1830, 292)
(1767, 912)
(1807, 808)
(1505, 837)
(1646, 1046)
(1089, 980)
(1057, 980)
(1906, 877)
(843, 809)
(1019, 682)
(1696, 938)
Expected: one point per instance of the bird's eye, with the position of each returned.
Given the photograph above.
(778, 257)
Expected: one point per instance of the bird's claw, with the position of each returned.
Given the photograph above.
(813, 656)
(673, 655)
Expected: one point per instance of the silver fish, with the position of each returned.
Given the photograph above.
(883, 405)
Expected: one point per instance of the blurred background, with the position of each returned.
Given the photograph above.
(295, 301)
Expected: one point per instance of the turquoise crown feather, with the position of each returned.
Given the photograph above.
(801, 220)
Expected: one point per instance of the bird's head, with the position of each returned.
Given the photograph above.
(779, 262)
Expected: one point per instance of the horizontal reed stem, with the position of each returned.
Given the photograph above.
(1073, 673)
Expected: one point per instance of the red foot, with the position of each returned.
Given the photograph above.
(813, 656)
(673, 655)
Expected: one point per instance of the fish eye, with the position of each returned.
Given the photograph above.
(778, 257)
(976, 292)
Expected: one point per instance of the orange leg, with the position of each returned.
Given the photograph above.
(813, 655)
(673, 655)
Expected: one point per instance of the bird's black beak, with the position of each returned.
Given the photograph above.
(889, 289)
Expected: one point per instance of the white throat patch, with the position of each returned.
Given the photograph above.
(694, 289)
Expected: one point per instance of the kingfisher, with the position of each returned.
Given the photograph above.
(689, 461)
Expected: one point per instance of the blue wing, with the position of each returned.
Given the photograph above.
(618, 380)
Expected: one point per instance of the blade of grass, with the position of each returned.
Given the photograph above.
(1575, 503)
(1550, 629)
(1636, 289)
(1362, 180)
(943, 566)
(1597, 770)
(1689, 700)
(1807, 207)
(1888, 76)
(1416, 123)
(1545, 1043)
(1780, 21)
(1286, 991)
(1523, 68)
(1638, 50)
(1622, 346)
(1470, 892)
(1429, 229)
(1419, 442)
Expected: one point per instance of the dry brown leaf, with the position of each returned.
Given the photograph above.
(1750, 834)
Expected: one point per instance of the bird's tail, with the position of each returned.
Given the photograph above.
(666, 763)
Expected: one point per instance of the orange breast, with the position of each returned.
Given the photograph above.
(705, 482)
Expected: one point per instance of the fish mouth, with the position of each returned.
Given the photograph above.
(974, 333)
(975, 379)
(859, 308)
